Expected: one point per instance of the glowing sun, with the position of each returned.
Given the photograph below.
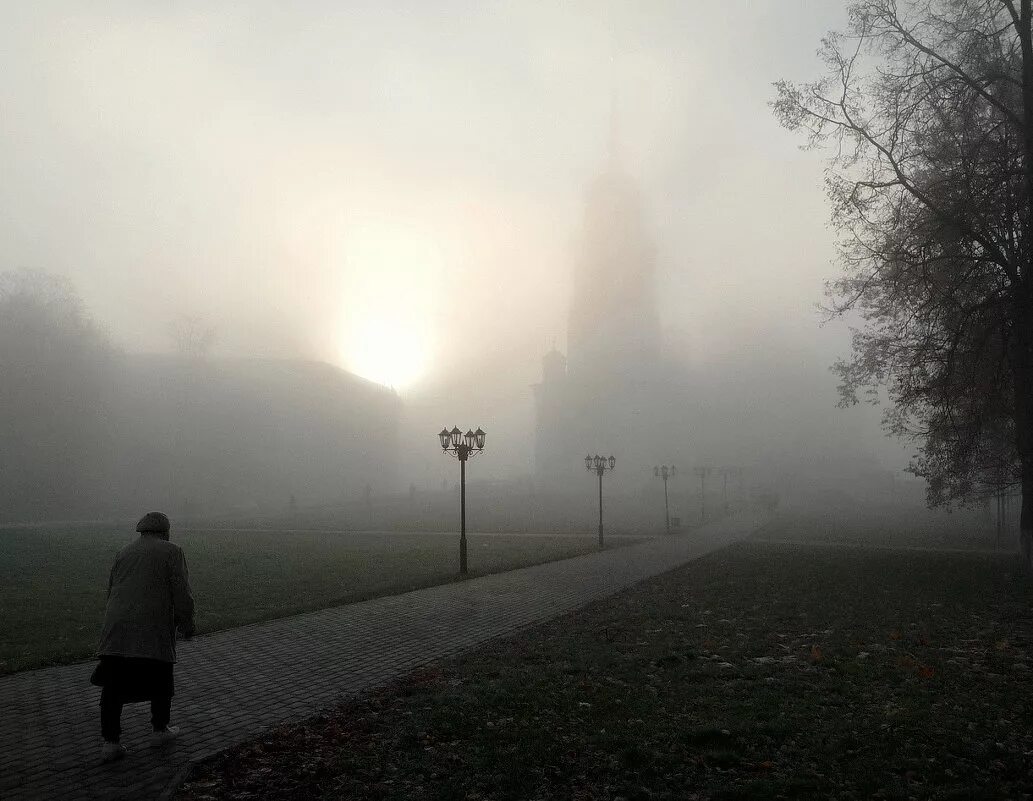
(393, 275)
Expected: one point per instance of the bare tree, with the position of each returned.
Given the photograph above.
(56, 398)
(192, 336)
(928, 108)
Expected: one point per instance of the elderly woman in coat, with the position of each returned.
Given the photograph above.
(148, 599)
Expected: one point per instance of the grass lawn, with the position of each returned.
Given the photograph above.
(53, 582)
(760, 671)
(965, 529)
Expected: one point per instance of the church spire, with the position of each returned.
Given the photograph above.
(614, 144)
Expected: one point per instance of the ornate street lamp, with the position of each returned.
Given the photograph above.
(702, 473)
(600, 464)
(734, 472)
(665, 472)
(462, 446)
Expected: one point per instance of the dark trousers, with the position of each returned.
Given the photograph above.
(111, 714)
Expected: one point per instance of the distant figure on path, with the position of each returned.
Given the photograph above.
(148, 599)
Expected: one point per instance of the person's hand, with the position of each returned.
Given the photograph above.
(187, 633)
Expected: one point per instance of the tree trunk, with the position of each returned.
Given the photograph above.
(1024, 435)
(1022, 371)
(1022, 335)
(1026, 516)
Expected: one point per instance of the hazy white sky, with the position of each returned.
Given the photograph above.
(396, 187)
(309, 173)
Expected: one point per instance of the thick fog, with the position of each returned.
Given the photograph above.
(399, 190)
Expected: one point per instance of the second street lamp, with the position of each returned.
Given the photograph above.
(702, 473)
(462, 446)
(665, 473)
(599, 465)
(734, 472)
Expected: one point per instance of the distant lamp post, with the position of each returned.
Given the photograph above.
(462, 446)
(665, 472)
(599, 465)
(702, 473)
(734, 472)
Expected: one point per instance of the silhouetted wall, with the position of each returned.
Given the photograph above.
(86, 432)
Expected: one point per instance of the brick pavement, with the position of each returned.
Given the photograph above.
(233, 684)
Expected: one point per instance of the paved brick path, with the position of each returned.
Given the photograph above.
(233, 684)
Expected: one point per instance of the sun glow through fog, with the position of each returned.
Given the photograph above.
(393, 274)
(389, 351)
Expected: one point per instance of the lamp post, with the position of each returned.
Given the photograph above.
(599, 465)
(665, 473)
(462, 446)
(702, 473)
(734, 472)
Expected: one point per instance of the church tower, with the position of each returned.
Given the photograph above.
(614, 325)
(601, 395)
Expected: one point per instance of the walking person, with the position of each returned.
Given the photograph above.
(148, 599)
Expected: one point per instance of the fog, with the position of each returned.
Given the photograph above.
(399, 190)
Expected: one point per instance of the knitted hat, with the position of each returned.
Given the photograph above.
(153, 523)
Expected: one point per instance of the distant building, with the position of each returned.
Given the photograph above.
(767, 406)
(614, 324)
(612, 391)
(222, 435)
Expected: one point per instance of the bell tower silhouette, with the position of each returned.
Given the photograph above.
(613, 326)
(602, 393)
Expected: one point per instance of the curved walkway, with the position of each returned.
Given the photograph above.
(233, 684)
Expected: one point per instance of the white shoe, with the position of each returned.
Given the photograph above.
(112, 752)
(160, 738)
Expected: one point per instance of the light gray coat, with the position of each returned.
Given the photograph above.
(148, 597)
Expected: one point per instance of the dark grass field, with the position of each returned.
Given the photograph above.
(761, 671)
(970, 529)
(53, 581)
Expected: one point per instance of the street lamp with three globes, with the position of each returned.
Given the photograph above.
(462, 446)
(599, 465)
(665, 472)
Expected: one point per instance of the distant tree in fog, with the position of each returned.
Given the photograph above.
(55, 367)
(192, 337)
(928, 107)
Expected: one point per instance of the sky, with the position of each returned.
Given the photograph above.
(396, 187)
